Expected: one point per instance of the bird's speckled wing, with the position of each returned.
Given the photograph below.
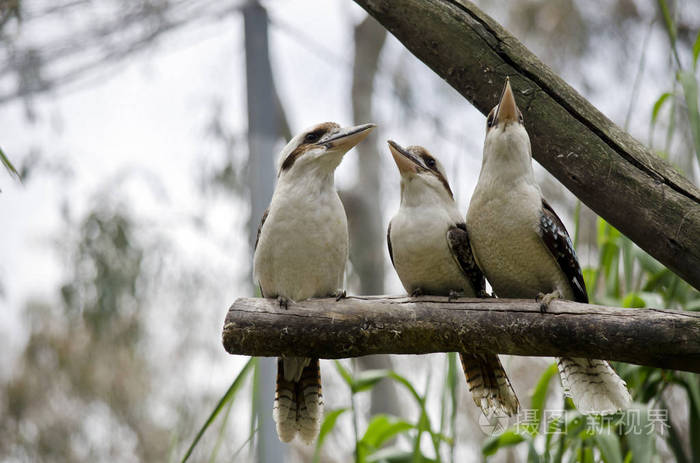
(262, 222)
(257, 238)
(558, 242)
(458, 241)
(388, 243)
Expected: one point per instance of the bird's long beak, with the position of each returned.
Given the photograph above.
(507, 108)
(348, 137)
(404, 160)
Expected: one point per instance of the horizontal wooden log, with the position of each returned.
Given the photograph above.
(611, 172)
(358, 326)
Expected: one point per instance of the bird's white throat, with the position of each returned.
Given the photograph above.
(507, 157)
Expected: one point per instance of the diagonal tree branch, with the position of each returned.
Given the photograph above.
(614, 174)
(359, 326)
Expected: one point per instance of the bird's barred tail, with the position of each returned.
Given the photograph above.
(298, 399)
(489, 384)
(593, 386)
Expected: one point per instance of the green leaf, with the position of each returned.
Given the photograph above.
(507, 439)
(690, 92)
(227, 397)
(658, 105)
(589, 277)
(367, 379)
(609, 445)
(575, 424)
(632, 300)
(627, 261)
(326, 427)
(555, 427)
(397, 455)
(532, 455)
(696, 51)
(344, 373)
(8, 165)
(383, 428)
(670, 28)
(407, 384)
(539, 396)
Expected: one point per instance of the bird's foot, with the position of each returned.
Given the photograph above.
(452, 295)
(546, 299)
(283, 302)
(339, 294)
(417, 292)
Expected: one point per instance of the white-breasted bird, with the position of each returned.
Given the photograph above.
(301, 252)
(429, 248)
(525, 252)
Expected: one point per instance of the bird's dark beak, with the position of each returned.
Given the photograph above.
(507, 108)
(404, 160)
(347, 137)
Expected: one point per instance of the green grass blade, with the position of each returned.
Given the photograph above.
(367, 379)
(641, 444)
(609, 446)
(8, 165)
(222, 431)
(658, 105)
(326, 427)
(506, 439)
(344, 373)
(407, 384)
(383, 428)
(690, 92)
(670, 29)
(247, 441)
(255, 393)
(696, 51)
(454, 370)
(228, 396)
(692, 384)
(539, 396)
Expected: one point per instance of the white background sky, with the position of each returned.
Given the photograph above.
(150, 117)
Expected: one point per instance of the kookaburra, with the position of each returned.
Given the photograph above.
(525, 251)
(429, 247)
(300, 252)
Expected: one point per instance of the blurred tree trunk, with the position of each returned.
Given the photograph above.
(263, 133)
(367, 242)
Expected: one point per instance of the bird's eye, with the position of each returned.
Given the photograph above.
(312, 137)
(489, 121)
(430, 162)
(520, 116)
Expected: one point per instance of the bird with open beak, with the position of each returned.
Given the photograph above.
(300, 252)
(525, 252)
(429, 248)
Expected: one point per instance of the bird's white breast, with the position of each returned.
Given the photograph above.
(303, 246)
(422, 256)
(503, 224)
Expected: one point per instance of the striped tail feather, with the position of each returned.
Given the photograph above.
(489, 384)
(593, 386)
(298, 399)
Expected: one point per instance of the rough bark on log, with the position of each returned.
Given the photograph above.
(611, 172)
(358, 326)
